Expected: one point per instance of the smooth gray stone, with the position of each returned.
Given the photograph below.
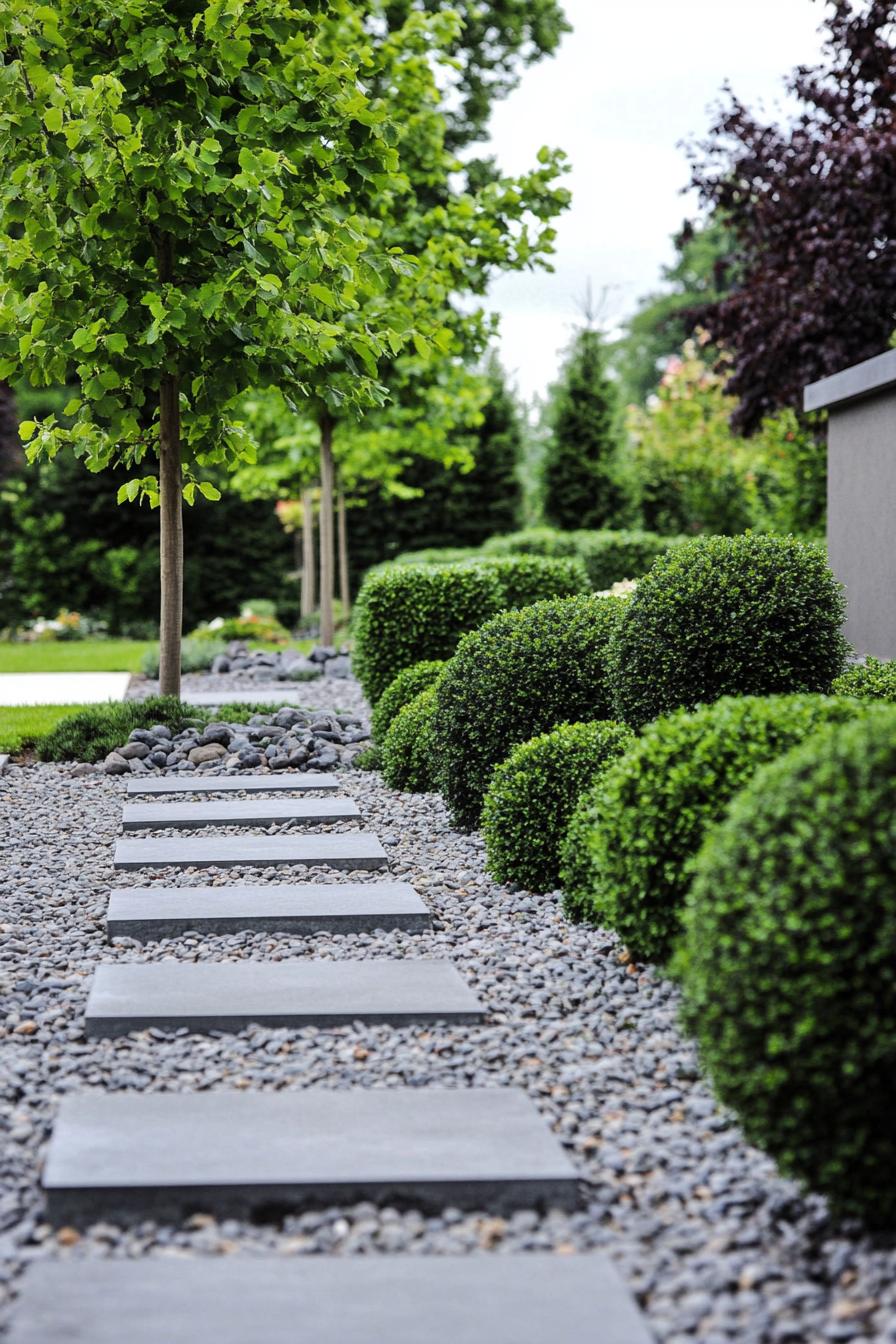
(168, 1154)
(238, 812)
(230, 995)
(208, 699)
(347, 849)
(351, 1299)
(312, 907)
(283, 782)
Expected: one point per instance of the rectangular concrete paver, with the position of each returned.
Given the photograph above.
(238, 812)
(62, 688)
(348, 849)
(208, 699)
(227, 996)
(350, 1299)
(168, 1154)
(311, 907)
(284, 781)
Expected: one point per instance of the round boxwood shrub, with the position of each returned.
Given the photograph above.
(409, 751)
(630, 861)
(525, 579)
(533, 793)
(533, 541)
(610, 556)
(407, 614)
(871, 680)
(400, 692)
(520, 674)
(747, 615)
(789, 970)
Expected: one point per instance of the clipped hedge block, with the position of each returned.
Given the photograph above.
(746, 615)
(525, 579)
(872, 680)
(532, 796)
(407, 614)
(610, 557)
(401, 691)
(789, 969)
(521, 674)
(409, 753)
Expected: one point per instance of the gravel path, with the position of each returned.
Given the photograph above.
(715, 1245)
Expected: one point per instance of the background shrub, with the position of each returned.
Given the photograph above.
(409, 754)
(525, 579)
(651, 810)
(400, 692)
(550, 541)
(92, 733)
(196, 655)
(790, 965)
(612, 556)
(521, 674)
(412, 613)
(438, 555)
(748, 615)
(533, 793)
(871, 680)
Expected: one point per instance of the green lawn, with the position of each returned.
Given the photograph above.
(20, 725)
(74, 655)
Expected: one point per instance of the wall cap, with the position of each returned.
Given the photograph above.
(861, 380)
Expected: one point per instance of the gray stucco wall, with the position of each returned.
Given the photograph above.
(862, 518)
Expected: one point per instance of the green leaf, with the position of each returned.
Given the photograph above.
(53, 119)
(208, 490)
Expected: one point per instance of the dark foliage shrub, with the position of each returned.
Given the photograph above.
(401, 691)
(409, 753)
(521, 674)
(92, 733)
(525, 579)
(610, 557)
(407, 614)
(633, 846)
(532, 796)
(747, 615)
(789, 971)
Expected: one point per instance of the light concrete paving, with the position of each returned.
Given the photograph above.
(349, 849)
(208, 699)
(238, 812)
(147, 913)
(167, 1154)
(62, 688)
(285, 781)
(351, 1299)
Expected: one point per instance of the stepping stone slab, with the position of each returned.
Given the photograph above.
(313, 907)
(227, 996)
(283, 782)
(351, 1299)
(350, 849)
(238, 812)
(212, 698)
(125, 1156)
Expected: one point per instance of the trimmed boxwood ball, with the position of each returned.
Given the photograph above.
(789, 969)
(400, 692)
(610, 556)
(747, 615)
(520, 674)
(409, 752)
(525, 579)
(629, 862)
(533, 793)
(871, 680)
(406, 614)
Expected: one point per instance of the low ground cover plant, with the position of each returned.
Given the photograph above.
(520, 674)
(400, 692)
(409, 754)
(745, 615)
(630, 851)
(533, 794)
(871, 680)
(411, 613)
(94, 731)
(789, 964)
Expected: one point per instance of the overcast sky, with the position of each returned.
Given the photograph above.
(628, 85)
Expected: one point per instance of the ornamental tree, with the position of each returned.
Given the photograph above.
(177, 204)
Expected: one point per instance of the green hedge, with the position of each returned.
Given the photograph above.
(789, 971)
(632, 850)
(871, 680)
(608, 556)
(532, 796)
(92, 733)
(521, 674)
(438, 555)
(407, 614)
(400, 692)
(547, 541)
(747, 615)
(525, 579)
(196, 655)
(409, 751)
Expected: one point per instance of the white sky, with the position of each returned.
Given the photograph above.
(628, 85)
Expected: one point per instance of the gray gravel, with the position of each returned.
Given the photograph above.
(328, 693)
(716, 1246)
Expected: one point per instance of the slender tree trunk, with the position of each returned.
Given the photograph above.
(308, 585)
(171, 536)
(171, 520)
(345, 595)
(325, 529)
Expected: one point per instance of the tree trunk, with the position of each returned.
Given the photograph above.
(171, 519)
(345, 595)
(325, 528)
(308, 585)
(171, 536)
